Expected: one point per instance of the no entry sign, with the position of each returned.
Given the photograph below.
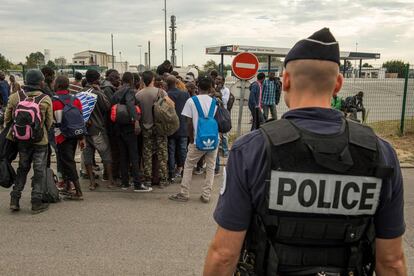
(245, 66)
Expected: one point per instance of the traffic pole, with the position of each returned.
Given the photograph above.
(241, 106)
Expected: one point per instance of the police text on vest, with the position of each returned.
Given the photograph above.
(324, 193)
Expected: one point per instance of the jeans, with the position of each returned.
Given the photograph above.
(257, 118)
(176, 145)
(272, 109)
(225, 143)
(128, 149)
(28, 154)
(66, 158)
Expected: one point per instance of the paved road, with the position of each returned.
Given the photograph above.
(122, 233)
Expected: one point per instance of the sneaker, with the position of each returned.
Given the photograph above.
(204, 200)
(178, 197)
(125, 187)
(61, 185)
(142, 189)
(198, 171)
(38, 208)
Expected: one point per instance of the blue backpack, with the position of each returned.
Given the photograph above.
(207, 128)
(72, 124)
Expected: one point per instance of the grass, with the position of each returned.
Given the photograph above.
(403, 144)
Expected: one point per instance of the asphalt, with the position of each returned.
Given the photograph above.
(123, 233)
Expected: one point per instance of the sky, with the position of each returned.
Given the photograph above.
(66, 27)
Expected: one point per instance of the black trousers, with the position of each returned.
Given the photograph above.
(29, 155)
(130, 158)
(66, 158)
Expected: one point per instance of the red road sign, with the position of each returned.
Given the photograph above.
(245, 66)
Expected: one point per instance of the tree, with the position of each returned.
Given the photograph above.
(35, 60)
(367, 65)
(52, 65)
(395, 66)
(4, 63)
(210, 65)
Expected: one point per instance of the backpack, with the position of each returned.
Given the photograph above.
(207, 128)
(28, 123)
(120, 113)
(166, 121)
(223, 119)
(50, 191)
(8, 152)
(72, 124)
(231, 101)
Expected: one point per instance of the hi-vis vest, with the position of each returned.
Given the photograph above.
(322, 193)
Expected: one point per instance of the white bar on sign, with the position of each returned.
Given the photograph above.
(245, 65)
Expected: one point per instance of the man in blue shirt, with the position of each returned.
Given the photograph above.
(309, 83)
(177, 143)
(255, 101)
(4, 90)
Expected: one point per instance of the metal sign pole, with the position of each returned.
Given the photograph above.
(241, 106)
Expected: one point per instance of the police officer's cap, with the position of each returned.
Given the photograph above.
(322, 45)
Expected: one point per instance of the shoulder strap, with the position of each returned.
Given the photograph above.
(198, 106)
(212, 108)
(280, 132)
(40, 98)
(22, 95)
(362, 136)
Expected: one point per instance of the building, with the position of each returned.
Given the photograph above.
(120, 66)
(47, 56)
(60, 61)
(90, 57)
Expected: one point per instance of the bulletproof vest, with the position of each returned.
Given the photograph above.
(322, 192)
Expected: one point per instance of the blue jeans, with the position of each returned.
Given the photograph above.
(31, 154)
(225, 143)
(177, 150)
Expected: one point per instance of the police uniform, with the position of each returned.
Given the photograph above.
(313, 190)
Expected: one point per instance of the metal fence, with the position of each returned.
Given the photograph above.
(389, 102)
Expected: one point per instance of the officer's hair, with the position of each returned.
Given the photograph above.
(313, 75)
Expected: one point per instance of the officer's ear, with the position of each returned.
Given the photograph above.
(339, 83)
(286, 81)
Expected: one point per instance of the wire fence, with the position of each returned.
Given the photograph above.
(388, 99)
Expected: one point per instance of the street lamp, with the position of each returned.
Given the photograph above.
(140, 54)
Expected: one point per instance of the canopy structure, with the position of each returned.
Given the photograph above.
(231, 50)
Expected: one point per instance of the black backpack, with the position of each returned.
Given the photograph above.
(223, 118)
(50, 191)
(231, 101)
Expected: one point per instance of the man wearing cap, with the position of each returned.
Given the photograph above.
(312, 193)
(31, 153)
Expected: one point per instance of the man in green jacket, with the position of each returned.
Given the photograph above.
(31, 152)
(337, 102)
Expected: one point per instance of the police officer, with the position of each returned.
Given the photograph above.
(313, 193)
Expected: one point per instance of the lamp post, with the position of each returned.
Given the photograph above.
(165, 29)
(140, 54)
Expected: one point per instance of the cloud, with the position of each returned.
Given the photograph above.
(67, 27)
